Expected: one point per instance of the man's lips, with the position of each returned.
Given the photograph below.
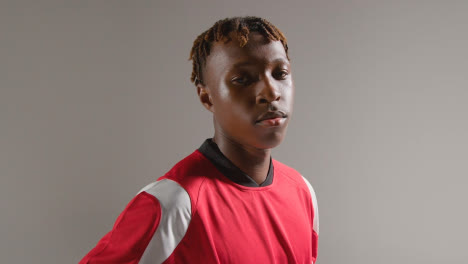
(272, 122)
(276, 115)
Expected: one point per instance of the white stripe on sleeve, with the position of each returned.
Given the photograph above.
(176, 213)
(314, 202)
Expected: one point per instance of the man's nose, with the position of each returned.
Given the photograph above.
(269, 91)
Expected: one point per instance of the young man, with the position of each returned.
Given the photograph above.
(229, 201)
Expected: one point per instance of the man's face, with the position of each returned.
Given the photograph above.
(250, 91)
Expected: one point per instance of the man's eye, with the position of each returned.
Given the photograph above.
(281, 75)
(240, 80)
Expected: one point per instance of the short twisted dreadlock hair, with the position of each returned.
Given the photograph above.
(241, 27)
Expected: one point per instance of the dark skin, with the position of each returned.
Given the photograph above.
(250, 92)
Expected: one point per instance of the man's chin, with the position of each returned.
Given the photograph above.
(271, 140)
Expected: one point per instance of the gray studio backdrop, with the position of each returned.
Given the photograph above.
(95, 103)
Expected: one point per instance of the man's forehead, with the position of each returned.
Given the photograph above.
(257, 46)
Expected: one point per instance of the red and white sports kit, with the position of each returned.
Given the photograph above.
(206, 210)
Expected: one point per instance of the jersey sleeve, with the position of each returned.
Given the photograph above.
(131, 233)
(315, 224)
(149, 229)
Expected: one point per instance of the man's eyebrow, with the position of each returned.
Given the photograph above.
(249, 62)
(280, 60)
(243, 63)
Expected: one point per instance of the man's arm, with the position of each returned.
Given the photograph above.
(149, 228)
(131, 233)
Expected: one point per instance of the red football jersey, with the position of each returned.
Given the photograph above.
(204, 210)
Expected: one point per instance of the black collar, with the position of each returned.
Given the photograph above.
(211, 151)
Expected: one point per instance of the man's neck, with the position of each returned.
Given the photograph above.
(252, 161)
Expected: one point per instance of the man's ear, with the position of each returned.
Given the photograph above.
(205, 97)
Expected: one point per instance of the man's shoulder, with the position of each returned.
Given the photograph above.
(292, 175)
(287, 171)
(191, 166)
(168, 192)
(283, 167)
(182, 182)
